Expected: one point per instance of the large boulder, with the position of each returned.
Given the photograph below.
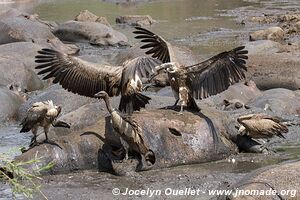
(92, 32)
(276, 182)
(272, 65)
(22, 28)
(14, 71)
(10, 103)
(279, 100)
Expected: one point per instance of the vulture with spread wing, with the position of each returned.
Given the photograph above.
(198, 81)
(87, 79)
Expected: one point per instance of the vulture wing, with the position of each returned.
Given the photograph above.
(159, 48)
(78, 76)
(135, 72)
(33, 116)
(216, 74)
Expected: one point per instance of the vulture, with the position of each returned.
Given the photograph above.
(42, 114)
(129, 131)
(87, 79)
(198, 81)
(261, 126)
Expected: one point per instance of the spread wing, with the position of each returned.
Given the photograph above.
(217, 73)
(78, 76)
(159, 48)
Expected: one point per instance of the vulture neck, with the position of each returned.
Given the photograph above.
(108, 104)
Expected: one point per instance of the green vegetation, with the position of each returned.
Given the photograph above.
(20, 179)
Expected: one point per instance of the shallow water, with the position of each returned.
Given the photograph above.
(179, 20)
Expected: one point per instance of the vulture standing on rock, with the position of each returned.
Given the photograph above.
(129, 131)
(87, 79)
(197, 81)
(42, 114)
(261, 126)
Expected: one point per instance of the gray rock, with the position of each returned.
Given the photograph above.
(135, 20)
(22, 28)
(92, 32)
(13, 70)
(272, 33)
(87, 16)
(10, 102)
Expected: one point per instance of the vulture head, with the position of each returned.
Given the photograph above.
(170, 67)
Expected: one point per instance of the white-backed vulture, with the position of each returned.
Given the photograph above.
(261, 126)
(129, 131)
(42, 114)
(198, 81)
(87, 79)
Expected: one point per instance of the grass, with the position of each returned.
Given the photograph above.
(21, 179)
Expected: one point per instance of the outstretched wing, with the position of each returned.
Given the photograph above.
(159, 48)
(217, 73)
(78, 76)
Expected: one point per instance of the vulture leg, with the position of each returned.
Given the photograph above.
(46, 129)
(33, 141)
(126, 147)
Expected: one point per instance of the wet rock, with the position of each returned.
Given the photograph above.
(282, 177)
(13, 70)
(93, 148)
(22, 28)
(272, 65)
(135, 20)
(87, 16)
(279, 100)
(92, 32)
(243, 92)
(272, 33)
(10, 102)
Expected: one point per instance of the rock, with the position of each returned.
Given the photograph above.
(13, 70)
(272, 65)
(25, 51)
(272, 33)
(135, 20)
(92, 32)
(93, 148)
(284, 178)
(87, 16)
(279, 100)
(22, 28)
(10, 102)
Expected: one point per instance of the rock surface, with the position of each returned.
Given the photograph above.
(135, 20)
(272, 33)
(87, 16)
(92, 32)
